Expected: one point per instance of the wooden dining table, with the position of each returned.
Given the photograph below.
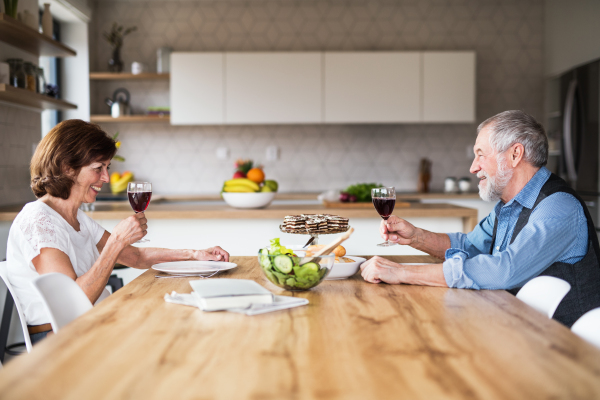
(354, 340)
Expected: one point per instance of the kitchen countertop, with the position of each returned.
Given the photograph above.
(187, 209)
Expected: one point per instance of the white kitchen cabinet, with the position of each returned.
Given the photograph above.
(267, 88)
(197, 89)
(449, 86)
(372, 87)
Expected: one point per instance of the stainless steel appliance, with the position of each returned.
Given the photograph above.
(579, 129)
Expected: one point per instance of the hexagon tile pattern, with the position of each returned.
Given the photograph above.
(506, 34)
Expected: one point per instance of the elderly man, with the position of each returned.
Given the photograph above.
(539, 227)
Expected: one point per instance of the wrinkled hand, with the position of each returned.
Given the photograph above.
(131, 229)
(212, 254)
(379, 269)
(397, 230)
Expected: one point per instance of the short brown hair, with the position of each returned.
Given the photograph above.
(70, 145)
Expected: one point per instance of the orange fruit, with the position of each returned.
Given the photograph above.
(256, 175)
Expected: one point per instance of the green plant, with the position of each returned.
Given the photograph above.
(118, 145)
(117, 33)
(10, 8)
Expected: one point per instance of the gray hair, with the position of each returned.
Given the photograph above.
(515, 126)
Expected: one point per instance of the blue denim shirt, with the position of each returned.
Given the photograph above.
(556, 231)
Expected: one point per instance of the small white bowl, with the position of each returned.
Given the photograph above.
(345, 270)
(248, 200)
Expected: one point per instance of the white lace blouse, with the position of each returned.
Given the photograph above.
(38, 226)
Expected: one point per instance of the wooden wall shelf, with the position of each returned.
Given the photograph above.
(27, 98)
(129, 118)
(17, 34)
(106, 76)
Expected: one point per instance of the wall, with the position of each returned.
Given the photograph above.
(19, 132)
(506, 34)
(571, 32)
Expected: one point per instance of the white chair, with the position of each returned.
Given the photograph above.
(63, 298)
(588, 327)
(4, 276)
(544, 293)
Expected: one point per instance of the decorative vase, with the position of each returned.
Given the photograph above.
(115, 64)
(47, 20)
(10, 8)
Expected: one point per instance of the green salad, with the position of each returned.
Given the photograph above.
(283, 268)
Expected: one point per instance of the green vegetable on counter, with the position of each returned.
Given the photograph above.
(362, 191)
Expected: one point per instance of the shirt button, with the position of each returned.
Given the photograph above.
(497, 247)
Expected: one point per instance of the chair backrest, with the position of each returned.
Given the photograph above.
(544, 293)
(588, 327)
(63, 298)
(4, 276)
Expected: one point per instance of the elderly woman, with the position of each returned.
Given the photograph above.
(51, 234)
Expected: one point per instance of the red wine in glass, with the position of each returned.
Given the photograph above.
(139, 194)
(384, 200)
(139, 200)
(384, 207)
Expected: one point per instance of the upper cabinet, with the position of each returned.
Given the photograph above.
(330, 87)
(372, 87)
(268, 88)
(197, 88)
(449, 87)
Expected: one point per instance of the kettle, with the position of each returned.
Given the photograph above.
(118, 105)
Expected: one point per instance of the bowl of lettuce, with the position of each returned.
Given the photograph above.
(291, 271)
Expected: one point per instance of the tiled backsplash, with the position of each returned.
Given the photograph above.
(19, 132)
(506, 34)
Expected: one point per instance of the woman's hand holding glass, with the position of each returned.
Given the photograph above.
(130, 230)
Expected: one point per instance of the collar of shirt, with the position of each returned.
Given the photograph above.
(528, 195)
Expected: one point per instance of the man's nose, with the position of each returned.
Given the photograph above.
(474, 167)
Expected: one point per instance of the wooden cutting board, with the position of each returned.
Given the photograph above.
(339, 204)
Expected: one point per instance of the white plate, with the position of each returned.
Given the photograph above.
(345, 270)
(193, 267)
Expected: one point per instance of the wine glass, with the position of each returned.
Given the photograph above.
(384, 200)
(139, 194)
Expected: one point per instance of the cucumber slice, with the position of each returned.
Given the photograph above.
(283, 263)
(265, 260)
(311, 266)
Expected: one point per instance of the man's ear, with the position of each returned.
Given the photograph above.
(517, 151)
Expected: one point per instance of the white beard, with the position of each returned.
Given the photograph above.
(495, 186)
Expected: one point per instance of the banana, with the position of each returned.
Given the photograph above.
(243, 182)
(238, 189)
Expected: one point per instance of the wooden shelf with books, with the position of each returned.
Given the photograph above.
(130, 118)
(24, 97)
(111, 76)
(17, 34)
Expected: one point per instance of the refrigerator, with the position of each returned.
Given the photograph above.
(578, 139)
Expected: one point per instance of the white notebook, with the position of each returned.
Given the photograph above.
(223, 294)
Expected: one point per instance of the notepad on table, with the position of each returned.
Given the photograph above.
(223, 294)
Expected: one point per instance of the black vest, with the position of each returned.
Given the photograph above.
(583, 276)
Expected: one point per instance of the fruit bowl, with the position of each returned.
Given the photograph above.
(248, 200)
(295, 273)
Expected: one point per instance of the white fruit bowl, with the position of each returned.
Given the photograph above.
(248, 200)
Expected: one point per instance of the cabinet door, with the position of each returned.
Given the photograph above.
(266, 88)
(373, 87)
(449, 86)
(197, 95)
